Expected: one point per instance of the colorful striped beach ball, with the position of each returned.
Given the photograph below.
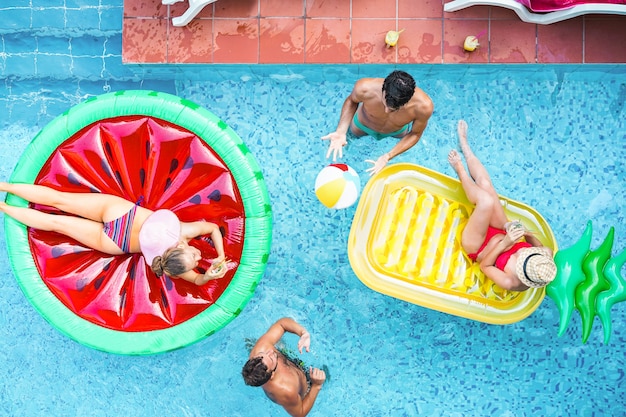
(337, 186)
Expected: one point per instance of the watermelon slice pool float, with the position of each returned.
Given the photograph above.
(168, 153)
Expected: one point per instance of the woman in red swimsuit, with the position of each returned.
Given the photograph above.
(489, 238)
(113, 225)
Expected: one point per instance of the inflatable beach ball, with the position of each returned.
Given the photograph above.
(337, 186)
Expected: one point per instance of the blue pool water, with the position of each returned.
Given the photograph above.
(553, 137)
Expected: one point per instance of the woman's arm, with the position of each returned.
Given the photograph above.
(201, 279)
(487, 264)
(200, 228)
(530, 238)
(512, 236)
(194, 277)
(502, 279)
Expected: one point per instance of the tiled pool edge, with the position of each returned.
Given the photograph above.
(333, 72)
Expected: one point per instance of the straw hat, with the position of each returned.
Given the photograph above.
(535, 267)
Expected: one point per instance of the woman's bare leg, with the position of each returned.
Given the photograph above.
(93, 206)
(87, 232)
(477, 225)
(481, 177)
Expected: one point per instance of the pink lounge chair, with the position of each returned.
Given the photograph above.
(548, 11)
(195, 7)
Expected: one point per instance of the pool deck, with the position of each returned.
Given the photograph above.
(353, 32)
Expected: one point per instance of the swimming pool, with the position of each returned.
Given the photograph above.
(552, 136)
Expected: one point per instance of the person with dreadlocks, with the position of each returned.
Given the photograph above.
(389, 107)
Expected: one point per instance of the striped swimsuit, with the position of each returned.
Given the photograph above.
(119, 230)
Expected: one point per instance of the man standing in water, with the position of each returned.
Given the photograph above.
(380, 108)
(282, 379)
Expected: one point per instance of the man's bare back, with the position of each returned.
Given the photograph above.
(283, 381)
(374, 113)
(288, 378)
(379, 107)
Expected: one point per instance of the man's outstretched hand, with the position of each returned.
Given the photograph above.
(304, 342)
(337, 142)
(317, 376)
(379, 164)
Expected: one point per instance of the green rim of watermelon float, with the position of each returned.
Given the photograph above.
(170, 153)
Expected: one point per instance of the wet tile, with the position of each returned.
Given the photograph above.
(327, 41)
(281, 8)
(368, 41)
(144, 8)
(430, 35)
(237, 8)
(604, 39)
(420, 42)
(192, 43)
(177, 9)
(561, 42)
(419, 9)
(144, 40)
(512, 41)
(373, 8)
(235, 40)
(455, 32)
(327, 8)
(281, 41)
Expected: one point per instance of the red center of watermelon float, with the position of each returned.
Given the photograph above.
(164, 166)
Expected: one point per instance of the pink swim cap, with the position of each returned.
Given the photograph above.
(159, 232)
